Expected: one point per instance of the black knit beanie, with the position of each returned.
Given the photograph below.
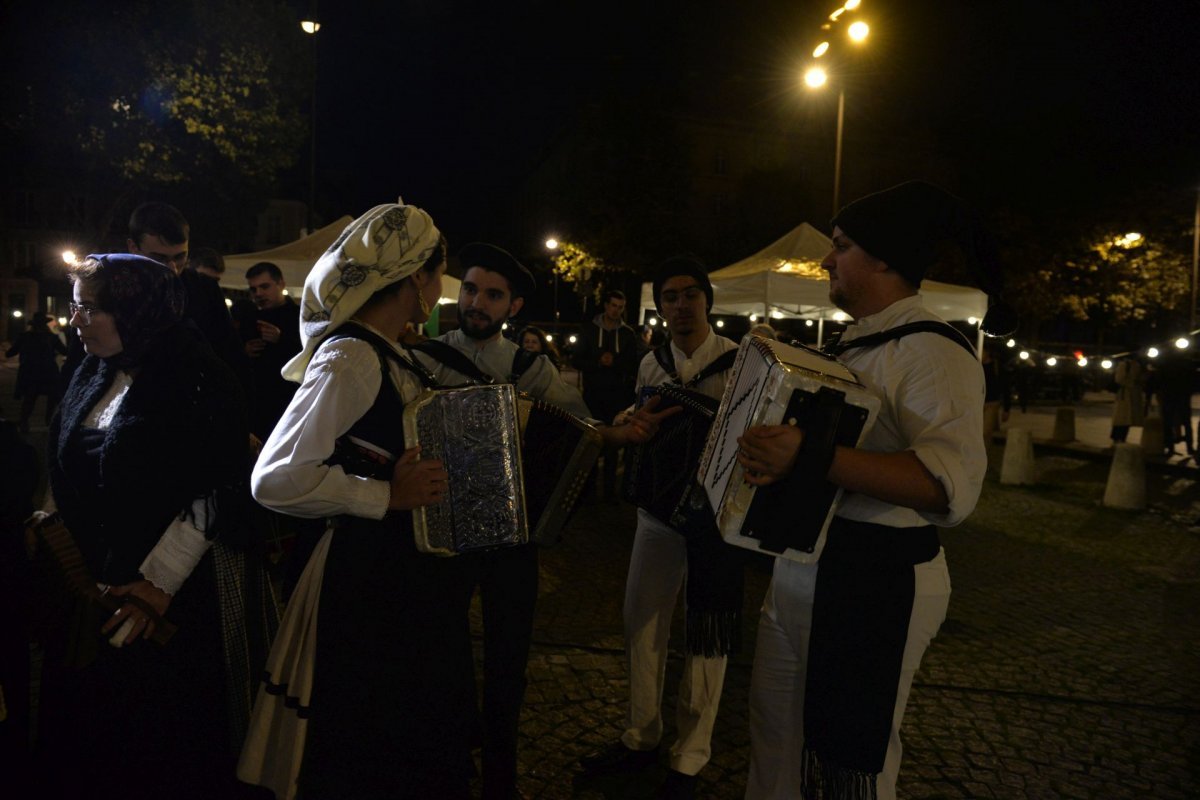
(904, 226)
(682, 265)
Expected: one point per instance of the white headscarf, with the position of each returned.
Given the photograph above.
(383, 246)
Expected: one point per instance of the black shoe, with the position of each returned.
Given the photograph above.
(617, 759)
(677, 786)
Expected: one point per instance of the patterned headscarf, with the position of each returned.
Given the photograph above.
(383, 246)
(144, 297)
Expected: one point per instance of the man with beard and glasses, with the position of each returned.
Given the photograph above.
(494, 288)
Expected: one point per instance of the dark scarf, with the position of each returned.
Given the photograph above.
(180, 434)
(145, 298)
(861, 609)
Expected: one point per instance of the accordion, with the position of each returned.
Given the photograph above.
(516, 467)
(773, 383)
(660, 473)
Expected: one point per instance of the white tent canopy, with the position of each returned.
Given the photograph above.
(295, 259)
(785, 279)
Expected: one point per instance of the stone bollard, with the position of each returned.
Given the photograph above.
(1153, 444)
(1017, 467)
(1126, 486)
(1064, 425)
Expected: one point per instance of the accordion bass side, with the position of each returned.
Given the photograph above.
(558, 451)
(474, 432)
(773, 383)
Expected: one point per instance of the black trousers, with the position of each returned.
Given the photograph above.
(508, 583)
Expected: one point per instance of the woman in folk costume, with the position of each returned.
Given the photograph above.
(369, 688)
(151, 431)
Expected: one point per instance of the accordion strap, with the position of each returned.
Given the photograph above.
(453, 358)
(386, 353)
(666, 360)
(837, 347)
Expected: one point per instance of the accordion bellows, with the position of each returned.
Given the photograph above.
(773, 383)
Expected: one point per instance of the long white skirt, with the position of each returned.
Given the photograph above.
(274, 747)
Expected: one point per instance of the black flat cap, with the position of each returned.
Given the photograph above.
(495, 259)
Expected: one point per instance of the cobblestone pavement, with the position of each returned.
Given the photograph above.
(1069, 664)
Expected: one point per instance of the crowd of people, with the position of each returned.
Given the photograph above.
(188, 436)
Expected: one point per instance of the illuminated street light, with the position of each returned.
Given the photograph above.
(815, 78)
(572, 338)
(1106, 363)
(1051, 361)
(972, 320)
(68, 256)
(310, 27)
(654, 321)
(1182, 343)
(776, 315)
(858, 31)
(17, 313)
(228, 302)
(552, 243)
(1083, 362)
(720, 323)
(1152, 352)
(62, 321)
(850, 5)
(754, 317)
(549, 337)
(1023, 355)
(821, 50)
(808, 323)
(1011, 343)
(834, 16)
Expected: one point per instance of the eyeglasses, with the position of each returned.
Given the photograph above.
(84, 311)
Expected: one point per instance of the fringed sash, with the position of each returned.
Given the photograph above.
(862, 606)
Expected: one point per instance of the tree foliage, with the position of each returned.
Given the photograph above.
(580, 268)
(142, 97)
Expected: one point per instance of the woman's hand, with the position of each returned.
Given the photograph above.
(417, 483)
(131, 620)
(768, 452)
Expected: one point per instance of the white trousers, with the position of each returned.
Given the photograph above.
(780, 661)
(657, 571)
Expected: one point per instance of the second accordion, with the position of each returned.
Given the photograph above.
(772, 383)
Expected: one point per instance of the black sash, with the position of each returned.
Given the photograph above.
(451, 357)
(666, 360)
(836, 347)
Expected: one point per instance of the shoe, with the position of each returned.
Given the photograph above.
(617, 759)
(677, 786)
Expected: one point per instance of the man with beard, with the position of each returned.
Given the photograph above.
(494, 288)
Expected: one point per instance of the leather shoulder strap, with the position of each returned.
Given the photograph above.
(891, 334)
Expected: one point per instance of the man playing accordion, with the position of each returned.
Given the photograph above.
(698, 359)
(840, 640)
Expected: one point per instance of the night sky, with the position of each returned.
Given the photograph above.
(1045, 107)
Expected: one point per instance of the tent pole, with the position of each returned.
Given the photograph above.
(979, 343)
(820, 332)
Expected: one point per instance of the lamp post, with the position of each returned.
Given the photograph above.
(816, 77)
(310, 26)
(552, 245)
(1195, 262)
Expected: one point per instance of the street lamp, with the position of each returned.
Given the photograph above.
(552, 245)
(310, 26)
(816, 77)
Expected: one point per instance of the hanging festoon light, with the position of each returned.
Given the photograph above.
(1023, 355)
(1106, 363)
(1182, 343)
(1051, 361)
(1152, 352)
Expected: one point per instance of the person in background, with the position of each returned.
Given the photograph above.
(207, 261)
(534, 339)
(607, 356)
(269, 345)
(1129, 406)
(37, 374)
(764, 330)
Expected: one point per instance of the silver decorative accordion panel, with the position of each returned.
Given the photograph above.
(474, 432)
(772, 383)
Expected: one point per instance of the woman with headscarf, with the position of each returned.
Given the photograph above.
(369, 687)
(151, 429)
